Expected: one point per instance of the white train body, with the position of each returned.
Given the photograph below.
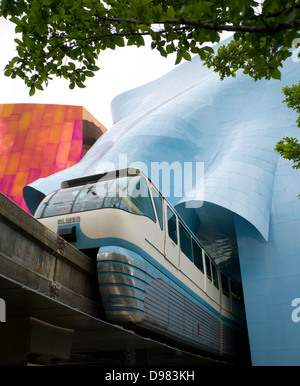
(152, 271)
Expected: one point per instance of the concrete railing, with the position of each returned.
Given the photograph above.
(36, 257)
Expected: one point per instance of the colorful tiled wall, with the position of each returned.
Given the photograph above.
(37, 140)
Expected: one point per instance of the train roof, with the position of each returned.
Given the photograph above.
(130, 171)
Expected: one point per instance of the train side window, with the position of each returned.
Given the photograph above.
(130, 194)
(185, 241)
(225, 285)
(198, 260)
(215, 276)
(172, 229)
(207, 266)
(158, 206)
(233, 291)
(239, 292)
(139, 197)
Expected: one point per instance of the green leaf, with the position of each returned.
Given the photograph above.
(80, 84)
(275, 74)
(170, 12)
(94, 68)
(89, 73)
(157, 12)
(208, 49)
(39, 86)
(119, 41)
(186, 55)
(19, 42)
(72, 66)
(178, 57)
(32, 91)
(8, 72)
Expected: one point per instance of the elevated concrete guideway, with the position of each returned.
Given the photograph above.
(53, 306)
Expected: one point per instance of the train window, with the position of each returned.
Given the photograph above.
(158, 205)
(185, 241)
(90, 197)
(233, 291)
(215, 275)
(225, 285)
(130, 194)
(207, 266)
(172, 229)
(239, 293)
(42, 206)
(61, 202)
(236, 292)
(197, 252)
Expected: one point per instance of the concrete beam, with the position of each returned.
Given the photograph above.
(34, 256)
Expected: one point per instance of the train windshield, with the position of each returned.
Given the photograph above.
(129, 193)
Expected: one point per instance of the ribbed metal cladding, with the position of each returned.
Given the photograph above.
(122, 283)
(233, 341)
(179, 316)
(133, 292)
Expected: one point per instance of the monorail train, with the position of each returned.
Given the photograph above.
(152, 271)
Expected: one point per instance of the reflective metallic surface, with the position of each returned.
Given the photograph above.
(150, 299)
(232, 127)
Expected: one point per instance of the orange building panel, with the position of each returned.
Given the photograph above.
(37, 140)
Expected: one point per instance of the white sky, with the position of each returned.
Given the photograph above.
(121, 70)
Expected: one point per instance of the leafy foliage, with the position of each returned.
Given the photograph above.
(289, 148)
(65, 37)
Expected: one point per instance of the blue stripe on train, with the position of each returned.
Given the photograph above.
(123, 247)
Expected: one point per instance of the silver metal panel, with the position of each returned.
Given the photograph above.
(122, 291)
(110, 256)
(120, 279)
(123, 269)
(178, 316)
(122, 302)
(164, 308)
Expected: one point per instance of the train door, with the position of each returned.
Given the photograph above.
(171, 236)
(212, 280)
(157, 239)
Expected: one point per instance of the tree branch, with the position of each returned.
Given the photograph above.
(263, 29)
(122, 34)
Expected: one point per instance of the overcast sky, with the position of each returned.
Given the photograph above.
(121, 70)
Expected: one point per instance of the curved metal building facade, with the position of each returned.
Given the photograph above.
(214, 141)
